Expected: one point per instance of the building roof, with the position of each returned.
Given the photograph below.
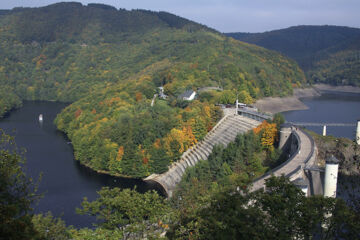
(186, 94)
(332, 160)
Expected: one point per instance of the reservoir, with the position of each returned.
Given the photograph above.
(64, 181)
(330, 107)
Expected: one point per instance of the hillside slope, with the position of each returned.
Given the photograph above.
(326, 53)
(109, 63)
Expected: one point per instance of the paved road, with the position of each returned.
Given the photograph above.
(290, 166)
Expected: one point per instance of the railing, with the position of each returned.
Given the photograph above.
(253, 114)
(294, 171)
(309, 124)
(312, 146)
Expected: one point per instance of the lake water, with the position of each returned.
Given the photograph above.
(329, 108)
(64, 182)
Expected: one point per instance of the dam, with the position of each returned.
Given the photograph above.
(298, 144)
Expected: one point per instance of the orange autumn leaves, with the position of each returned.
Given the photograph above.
(78, 113)
(120, 153)
(268, 133)
(184, 139)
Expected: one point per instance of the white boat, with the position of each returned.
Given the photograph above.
(41, 118)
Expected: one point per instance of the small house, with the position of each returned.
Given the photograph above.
(188, 95)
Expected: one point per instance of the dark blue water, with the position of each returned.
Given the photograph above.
(329, 108)
(64, 182)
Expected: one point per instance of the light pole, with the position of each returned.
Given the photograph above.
(237, 103)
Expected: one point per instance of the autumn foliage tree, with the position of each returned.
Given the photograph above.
(268, 132)
(178, 141)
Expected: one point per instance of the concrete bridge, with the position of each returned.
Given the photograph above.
(305, 124)
(325, 125)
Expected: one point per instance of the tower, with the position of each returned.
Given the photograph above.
(324, 130)
(331, 176)
(285, 132)
(237, 106)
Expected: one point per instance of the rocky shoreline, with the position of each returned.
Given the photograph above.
(282, 104)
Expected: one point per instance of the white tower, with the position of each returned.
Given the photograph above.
(331, 175)
(236, 107)
(358, 132)
(324, 130)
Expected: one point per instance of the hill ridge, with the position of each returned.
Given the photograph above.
(326, 53)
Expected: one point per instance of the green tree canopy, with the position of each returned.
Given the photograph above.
(129, 211)
(17, 193)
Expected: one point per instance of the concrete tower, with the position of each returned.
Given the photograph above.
(285, 132)
(358, 132)
(324, 130)
(331, 175)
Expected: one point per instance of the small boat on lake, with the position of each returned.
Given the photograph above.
(41, 118)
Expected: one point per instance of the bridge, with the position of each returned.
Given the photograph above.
(310, 124)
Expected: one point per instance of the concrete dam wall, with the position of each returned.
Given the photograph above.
(302, 153)
(223, 133)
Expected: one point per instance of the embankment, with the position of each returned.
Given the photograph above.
(282, 104)
(330, 88)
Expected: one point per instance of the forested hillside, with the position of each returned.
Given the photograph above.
(329, 54)
(109, 64)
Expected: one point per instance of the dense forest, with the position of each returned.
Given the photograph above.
(109, 64)
(327, 54)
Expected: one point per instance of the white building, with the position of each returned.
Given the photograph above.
(188, 95)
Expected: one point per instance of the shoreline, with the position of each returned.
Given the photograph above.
(104, 172)
(274, 105)
(330, 88)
